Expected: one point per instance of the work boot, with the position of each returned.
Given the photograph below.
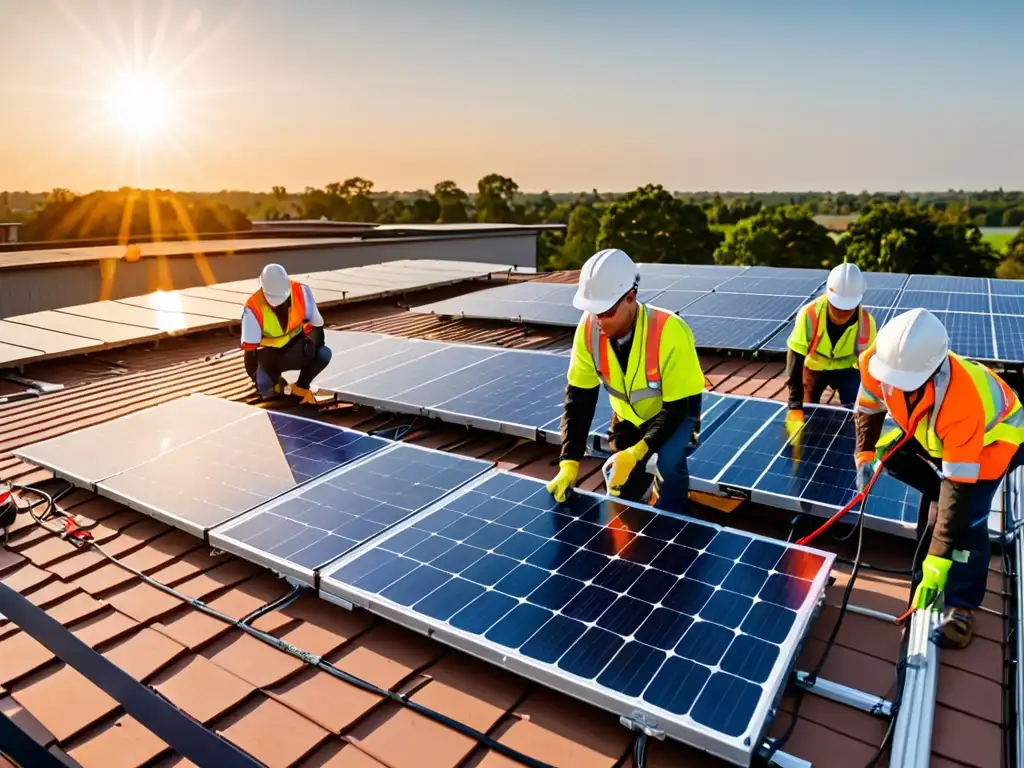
(957, 628)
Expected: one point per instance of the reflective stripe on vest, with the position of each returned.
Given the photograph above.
(813, 320)
(1004, 416)
(270, 327)
(598, 347)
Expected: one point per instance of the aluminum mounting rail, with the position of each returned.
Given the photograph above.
(1013, 517)
(912, 739)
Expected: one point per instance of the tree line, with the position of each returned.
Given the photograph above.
(928, 233)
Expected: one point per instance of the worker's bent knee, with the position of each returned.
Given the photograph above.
(324, 355)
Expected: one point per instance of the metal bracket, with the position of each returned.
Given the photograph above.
(42, 387)
(638, 721)
(871, 613)
(783, 759)
(851, 697)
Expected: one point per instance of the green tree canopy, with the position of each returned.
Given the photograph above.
(1012, 265)
(495, 199)
(652, 225)
(452, 202)
(780, 237)
(902, 237)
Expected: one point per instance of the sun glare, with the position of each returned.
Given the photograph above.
(141, 105)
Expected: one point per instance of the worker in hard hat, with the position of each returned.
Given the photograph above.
(646, 359)
(282, 330)
(828, 336)
(968, 427)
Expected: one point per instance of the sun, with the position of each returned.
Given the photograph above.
(141, 105)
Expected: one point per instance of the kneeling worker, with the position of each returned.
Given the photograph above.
(282, 330)
(646, 359)
(968, 427)
(829, 334)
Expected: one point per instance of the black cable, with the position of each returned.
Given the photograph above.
(640, 750)
(281, 602)
(309, 658)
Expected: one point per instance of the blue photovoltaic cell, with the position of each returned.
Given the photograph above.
(689, 270)
(767, 286)
(727, 333)
(782, 272)
(947, 284)
(779, 342)
(239, 467)
(725, 431)
(893, 280)
(1010, 335)
(745, 306)
(882, 315)
(937, 301)
(969, 335)
(670, 612)
(692, 283)
(372, 359)
(674, 301)
(880, 297)
(1007, 305)
(327, 518)
(655, 282)
(1006, 287)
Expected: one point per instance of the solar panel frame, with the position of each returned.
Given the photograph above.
(155, 477)
(224, 536)
(738, 749)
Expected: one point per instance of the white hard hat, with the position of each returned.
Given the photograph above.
(606, 277)
(846, 286)
(275, 284)
(909, 349)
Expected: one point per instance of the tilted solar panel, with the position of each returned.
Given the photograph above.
(947, 284)
(321, 521)
(693, 625)
(207, 482)
(744, 306)
(940, 301)
(800, 287)
(1003, 304)
(969, 335)
(892, 280)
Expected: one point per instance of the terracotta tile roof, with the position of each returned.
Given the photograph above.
(286, 713)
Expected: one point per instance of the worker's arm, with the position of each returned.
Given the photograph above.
(577, 415)
(963, 439)
(682, 385)
(581, 393)
(795, 379)
(313, 316)
(252, 334)
(670, 418)
(869, 412)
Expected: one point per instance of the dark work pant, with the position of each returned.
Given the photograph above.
(965, 587)
(308, 356)
(674, 488)
(845, 382)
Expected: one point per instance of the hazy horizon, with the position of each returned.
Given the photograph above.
(698, 96)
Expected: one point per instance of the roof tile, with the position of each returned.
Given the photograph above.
(104, 578)
(55, 591)
(251, 595)
(65, 702)
(144, 653)
(76, 565)
(386, 655)
(20, 655)
(201, 688)
(125, 743)
(325, 699)
(399, 737)
(192, 628)
(27, 578)
(49, 550)
(822, 746)
(227, 574)
(470, 691)
(143, 602)
(25, 720)
(195, 562)
(338, 754)
(163, 550)
(104, 628)
(272, 733)
(983, 749)
(75, 608)
(314, 611)
(252, 660)
(564, 732)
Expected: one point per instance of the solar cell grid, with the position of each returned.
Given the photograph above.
(893, 280)
(321, 521)
(1006, 287)
(1007, 305)
(947, 284)
(674, 301)
(728, 333)
(969, 335)
(937, 301)
(1010, 336)
(236, 468)
(618, 604)
(771, 286)
(880, 297)
(744, 306)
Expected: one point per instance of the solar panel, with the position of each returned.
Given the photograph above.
(674, 301)
(699, 283)
(368, 359)
(947, 284)
(1007, 305)
(1006, 287)
(727, 333)
(725, 433)
(801, 287)
(235, 468)
(941, 301)
(782, 272)
(969, 335)
(89, 455)
(686, 623)
(1010, 337)
(310, 526)
(745, 306)
(893, 280)
(689, 270)
(880, 297)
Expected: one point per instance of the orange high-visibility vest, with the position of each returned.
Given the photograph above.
(598, 347)
(273, 334)
(811, 329)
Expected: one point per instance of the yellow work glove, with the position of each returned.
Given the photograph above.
(622, 464)
(305, 395)
(794, 427)
(564, 480)
(865, 463)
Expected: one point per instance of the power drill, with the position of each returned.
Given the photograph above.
(8, 506)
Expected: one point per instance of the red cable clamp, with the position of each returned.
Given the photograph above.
(72, 531)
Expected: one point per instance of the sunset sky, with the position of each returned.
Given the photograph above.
(557, 94)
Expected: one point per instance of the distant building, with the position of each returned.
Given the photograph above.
(9, 231)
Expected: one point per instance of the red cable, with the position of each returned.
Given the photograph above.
(861, 495)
